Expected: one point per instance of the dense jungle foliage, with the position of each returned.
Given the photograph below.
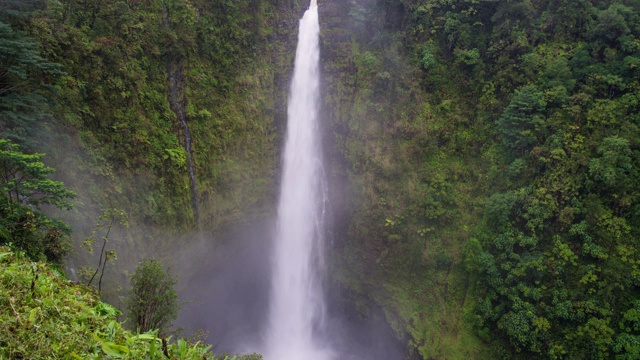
(492, 150)
(483, 154)
(108, 81)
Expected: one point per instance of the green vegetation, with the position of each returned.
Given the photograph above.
(126, 74)
(107, 222)
(492, 151)
(45, 316)
(25, 89)
(484, 153)
(102, 87)
(152, 302)
(25, 188)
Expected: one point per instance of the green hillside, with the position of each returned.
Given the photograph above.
(45, 316)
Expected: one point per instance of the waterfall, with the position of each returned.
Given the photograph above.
(178, 104)
(297, 303)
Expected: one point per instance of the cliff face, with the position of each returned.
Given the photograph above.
(398, 215)
(172, 111)
(141, 75)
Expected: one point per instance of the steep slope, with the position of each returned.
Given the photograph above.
(168, 110)
(487, 211)
(45, 316)
(409, 159)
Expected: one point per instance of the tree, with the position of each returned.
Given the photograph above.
(25, 187)
(522, 120)
(108, 219)
(612, 168)
(24, 179)
(24, 94)
(152, 302)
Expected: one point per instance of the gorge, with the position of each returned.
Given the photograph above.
(481, 160)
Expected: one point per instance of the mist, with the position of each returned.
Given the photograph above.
(225, 288)
(224, 285)
(223, 276)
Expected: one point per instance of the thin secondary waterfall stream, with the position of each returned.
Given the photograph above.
(297, 302)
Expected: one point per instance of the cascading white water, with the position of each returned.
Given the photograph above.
(297, 303)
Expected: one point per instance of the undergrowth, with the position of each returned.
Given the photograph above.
(45, 316)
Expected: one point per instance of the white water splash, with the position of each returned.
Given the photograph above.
(297, 302)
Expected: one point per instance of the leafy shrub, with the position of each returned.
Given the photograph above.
(467, 56)
(428, 61)
(152, 302)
